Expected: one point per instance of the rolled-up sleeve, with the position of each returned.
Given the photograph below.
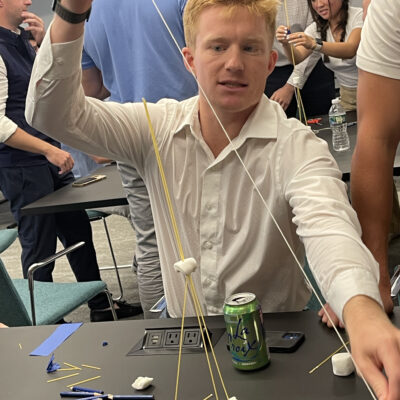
(56, 105)
(326, 222)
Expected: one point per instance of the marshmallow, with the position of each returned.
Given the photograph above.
(187, 266)
(142, 382)
(342, 364)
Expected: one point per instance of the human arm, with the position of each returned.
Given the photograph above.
(298, 78)
(375, 345)
(92, 82)
(283, 95)
(24, 141)
(378, 136)
(35, 26)
(100, 160)
(304, 44)
(58, 107)
(14, 136)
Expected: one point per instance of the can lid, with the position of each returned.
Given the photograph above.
(239, 299)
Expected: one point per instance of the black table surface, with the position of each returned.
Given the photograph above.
(287, 377)
(104, 193)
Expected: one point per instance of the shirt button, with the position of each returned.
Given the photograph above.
(59, 60)
(208, 245)
(209, 207)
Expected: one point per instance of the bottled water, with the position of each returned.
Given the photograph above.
(337, 122)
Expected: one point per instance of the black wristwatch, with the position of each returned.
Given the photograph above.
(70, 16)
(318, 44)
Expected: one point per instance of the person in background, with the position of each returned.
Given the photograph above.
(114, 67)
(33, 165)
(372, 191)
(335, 34)
(315, 80)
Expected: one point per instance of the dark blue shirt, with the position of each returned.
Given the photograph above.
(18, 56)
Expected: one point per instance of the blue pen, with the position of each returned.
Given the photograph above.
(79, 395)
(121, 397)
(83, 389)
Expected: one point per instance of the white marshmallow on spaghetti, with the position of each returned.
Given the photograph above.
(186, 266)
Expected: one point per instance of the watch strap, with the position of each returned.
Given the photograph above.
(318, 45)
(70, 16)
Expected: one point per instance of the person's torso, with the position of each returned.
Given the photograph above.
(18, 56)
(129, 43)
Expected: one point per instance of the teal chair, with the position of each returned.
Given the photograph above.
(7, 238)
(95, 215)
(28, 302)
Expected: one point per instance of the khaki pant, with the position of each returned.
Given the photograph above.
(348, 98)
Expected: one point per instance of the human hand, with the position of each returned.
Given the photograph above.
(281, 34)
(301, 39)
(35, 25)
(375, 346)
(333, 316)
(284, 95)
(3, 326)
(60, 158)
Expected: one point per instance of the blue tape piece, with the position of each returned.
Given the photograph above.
(52, 366)
(59, 336)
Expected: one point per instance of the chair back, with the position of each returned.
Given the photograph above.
(12, 309)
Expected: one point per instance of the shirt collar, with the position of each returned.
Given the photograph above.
(261, 124)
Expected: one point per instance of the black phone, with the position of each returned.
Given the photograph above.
(284, 341)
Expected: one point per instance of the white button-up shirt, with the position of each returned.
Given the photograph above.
(221, 220)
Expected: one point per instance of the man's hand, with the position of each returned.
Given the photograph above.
(375, 346)
(284, 95)
(333, 316)
(35, 25)
(60, 159)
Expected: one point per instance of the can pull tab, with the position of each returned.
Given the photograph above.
(239, 300)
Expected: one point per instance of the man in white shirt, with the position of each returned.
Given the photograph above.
(219, 216)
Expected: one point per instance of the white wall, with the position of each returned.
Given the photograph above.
(43, 9)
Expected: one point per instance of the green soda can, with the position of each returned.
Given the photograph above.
(244, 326)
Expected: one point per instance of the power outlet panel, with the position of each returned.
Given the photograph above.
(166, 341)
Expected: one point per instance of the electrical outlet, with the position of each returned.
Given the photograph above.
(191, 337)
(172, 337)
(166, 340)
(154, 339)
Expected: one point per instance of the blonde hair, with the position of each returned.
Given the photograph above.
(265, 8)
